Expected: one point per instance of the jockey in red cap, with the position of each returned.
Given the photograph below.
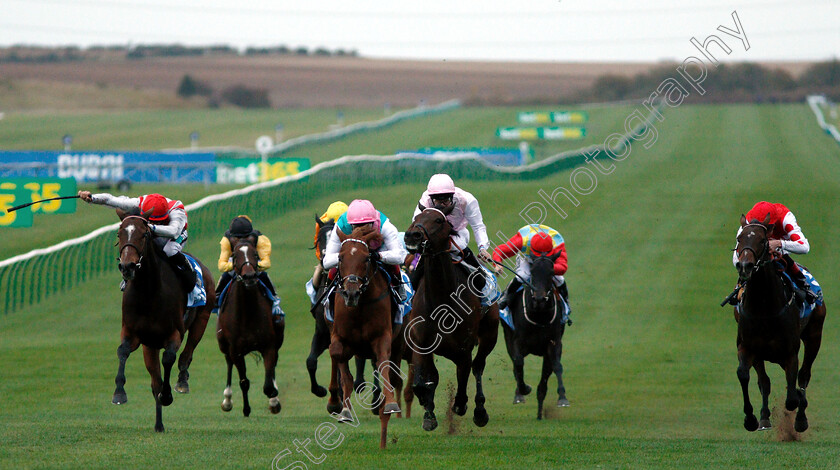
(168, 219)
(536, 240)
(785, 237)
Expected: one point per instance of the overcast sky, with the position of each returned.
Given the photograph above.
(535, 30)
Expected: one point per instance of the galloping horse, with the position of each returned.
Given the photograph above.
(769, 327)
(246, 324)
(155, 313)
(538, 317)
(363, 326)
(446, 319)
(321, 337)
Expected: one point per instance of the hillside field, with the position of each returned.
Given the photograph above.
(649, 362)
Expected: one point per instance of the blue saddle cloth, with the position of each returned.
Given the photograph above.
(805, 309)
(198, 296)
(506, 316)
(265, 290)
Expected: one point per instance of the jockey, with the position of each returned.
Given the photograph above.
(441, 193)
(242, 230)
(785, 237)
(168, 222)
(333, 213)
(361, 213)
(532, 240)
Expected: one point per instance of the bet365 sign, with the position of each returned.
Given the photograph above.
(17, 191)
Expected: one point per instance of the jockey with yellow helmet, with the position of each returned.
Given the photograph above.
(533, 240)
(241, 229)
(333, 213)
(168, 223)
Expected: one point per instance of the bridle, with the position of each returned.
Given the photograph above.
(759, 260)
(363, 281)
(147, 235)
(552, 294)
(422, 249)
(238, 268)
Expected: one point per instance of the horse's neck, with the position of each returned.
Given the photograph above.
(440, 277)
(544, 313)
(766, 289)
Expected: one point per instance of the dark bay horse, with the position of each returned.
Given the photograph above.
(155, 313)
(769, 327)
(538, 315)
(321, 337)
(446, 320)
(245, 325)
(362, 326)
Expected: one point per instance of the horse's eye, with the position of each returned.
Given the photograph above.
(439, 220)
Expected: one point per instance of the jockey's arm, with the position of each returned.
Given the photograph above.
(333, 247)
(508, 249)
(172, 229)
(263, 252)
(561, 264)
(120, 202)
(225, 263)
(473, 215)
(735, 253)
(795, 241)
(392, 251)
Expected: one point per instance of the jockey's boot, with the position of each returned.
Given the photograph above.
(802, 288)
(276, 311)
(470, 259)
(564, 292)
(184, 271)
(507, 299)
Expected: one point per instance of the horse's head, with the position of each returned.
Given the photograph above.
(133, 235)
(322, 234)
(542, 279)
(753, 247)
(430, 230)
(245, 264)
(355, 268)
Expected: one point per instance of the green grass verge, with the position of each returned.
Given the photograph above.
(649, 363)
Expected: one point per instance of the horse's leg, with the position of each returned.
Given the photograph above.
(556, 351)
(745, 361)
(463, 364)
(542, 387)
(377, 389)
(360, 372)
(193, 336)
(812, 339)
(126, 347)
(424, 384)
(270, 387)
(320, 342)
(347, 389)
(408, 391)
(333, 404)
(518, 361)
(152, 360)
(488, 334)
(764, 388)
(791, 369)
(244, 384)
(170, 353)
(227, 404)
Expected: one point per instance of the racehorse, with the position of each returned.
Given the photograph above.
(363, 326)
(769, 327)
(538, 316)
(321, 337)
(245, 325)
(155, 313)
(446, 319)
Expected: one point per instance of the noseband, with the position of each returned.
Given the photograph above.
(759, 260)
(238, 269)
(363, 281)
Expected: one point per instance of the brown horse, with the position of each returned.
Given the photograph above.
(769, 327)
(446, 319)
(321, 337)
(363, 326)
(155, 313)
(245, 325)
(538, 316)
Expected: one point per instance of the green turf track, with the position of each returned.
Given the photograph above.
(650, 361)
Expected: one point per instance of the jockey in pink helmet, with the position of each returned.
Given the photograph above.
(441, 193)
(359, 213)
(168, 222)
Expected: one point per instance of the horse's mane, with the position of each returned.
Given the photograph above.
(367, 235)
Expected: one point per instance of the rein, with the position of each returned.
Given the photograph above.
(147, 235)
(363, 281)
(760, 261)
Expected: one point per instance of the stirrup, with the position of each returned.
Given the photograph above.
(122, 285)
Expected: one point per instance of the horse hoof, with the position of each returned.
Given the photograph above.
(166, 397)
(159, 428)
(792, 404)
(391, 408)
(480, 417)
(429, 424)
(459, 410)
(227, 405)
(345, 416)
(526, 389)
(119, 398)
(319, 391)
(750, 423)
(764, 425)
(333, 408)
(182, 387)
(563, 403)
(801, 425)
(274, 405)
(517, 399)
(246, 411)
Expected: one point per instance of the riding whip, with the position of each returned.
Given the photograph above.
(514, 273)
(12, 209)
